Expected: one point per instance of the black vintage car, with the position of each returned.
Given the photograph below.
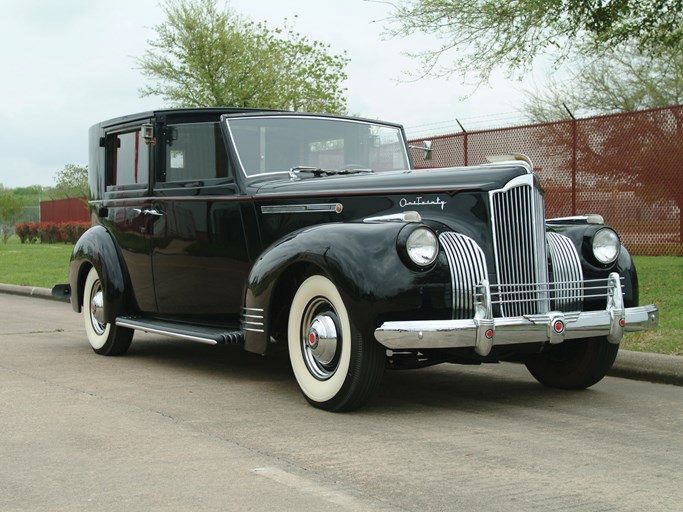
(315, 233)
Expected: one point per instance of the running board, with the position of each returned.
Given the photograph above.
(200, 333)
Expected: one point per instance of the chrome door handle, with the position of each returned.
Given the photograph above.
(153, 212)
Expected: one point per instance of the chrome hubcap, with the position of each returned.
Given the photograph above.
(97, 309)
(321, 339)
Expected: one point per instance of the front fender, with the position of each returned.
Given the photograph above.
(363, 262)
(96, 248)
(581, 235)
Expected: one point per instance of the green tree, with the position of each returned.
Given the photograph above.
(479, 36)
(206, 56)
(11, 208)
(620, 81)
(72, 182)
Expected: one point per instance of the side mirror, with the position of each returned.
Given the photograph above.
(426, 147)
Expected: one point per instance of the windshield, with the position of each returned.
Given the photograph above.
(282, 143)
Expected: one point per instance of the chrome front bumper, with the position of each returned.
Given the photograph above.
(483, 331)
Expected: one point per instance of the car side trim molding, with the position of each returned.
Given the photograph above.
(253, 319)
(304, 208)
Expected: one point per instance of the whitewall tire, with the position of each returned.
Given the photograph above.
(336, 367)
(105, 338)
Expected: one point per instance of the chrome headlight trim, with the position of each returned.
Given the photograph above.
(606, 246)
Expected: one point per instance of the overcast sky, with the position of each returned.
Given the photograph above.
(68, 64)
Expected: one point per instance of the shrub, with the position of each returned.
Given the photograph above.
(51, 232)
(72, 231)
(27, 232)
(22, 231)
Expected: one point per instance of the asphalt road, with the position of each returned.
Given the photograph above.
(181, 426)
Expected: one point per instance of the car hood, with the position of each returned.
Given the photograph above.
(484, 177)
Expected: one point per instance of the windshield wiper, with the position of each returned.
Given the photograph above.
(317, 171)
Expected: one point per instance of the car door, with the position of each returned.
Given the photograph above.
(199, 254)
(126, 210)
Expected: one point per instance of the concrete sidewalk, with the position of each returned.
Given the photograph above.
(629, 365)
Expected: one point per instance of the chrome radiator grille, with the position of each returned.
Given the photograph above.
(522, 252)
(566, 291)
(520, 248)
(467, 265)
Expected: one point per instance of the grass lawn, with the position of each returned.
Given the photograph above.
(43, 265)
(661, 283)
(660, 277)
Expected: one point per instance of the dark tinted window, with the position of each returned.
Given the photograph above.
(128, 160)
(195, 151)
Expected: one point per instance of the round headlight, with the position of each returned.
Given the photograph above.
(422, 247)
(606, 246)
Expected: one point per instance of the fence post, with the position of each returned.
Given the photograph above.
(464, 140)
(574, 136)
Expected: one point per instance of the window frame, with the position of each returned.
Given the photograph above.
(163, 132)
(238, 164)
(111, 160)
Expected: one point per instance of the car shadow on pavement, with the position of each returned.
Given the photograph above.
(210, 360)
(462, 388)
(446, 386)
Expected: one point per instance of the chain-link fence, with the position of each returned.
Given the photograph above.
(626, 167)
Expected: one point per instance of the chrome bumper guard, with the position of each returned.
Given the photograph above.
(484, 331)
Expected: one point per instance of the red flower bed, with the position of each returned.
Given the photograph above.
(51, 232)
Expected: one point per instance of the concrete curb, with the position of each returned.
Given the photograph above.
(647, 366)
(629, 365)
(30, 291)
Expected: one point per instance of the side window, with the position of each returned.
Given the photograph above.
(127, 160)
(195, 151)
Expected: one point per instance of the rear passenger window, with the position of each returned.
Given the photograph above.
(127, 160)
(195, 152)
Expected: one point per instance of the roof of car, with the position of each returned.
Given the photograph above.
(208, 111)
(181, 111)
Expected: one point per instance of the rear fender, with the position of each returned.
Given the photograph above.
(96, 248)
